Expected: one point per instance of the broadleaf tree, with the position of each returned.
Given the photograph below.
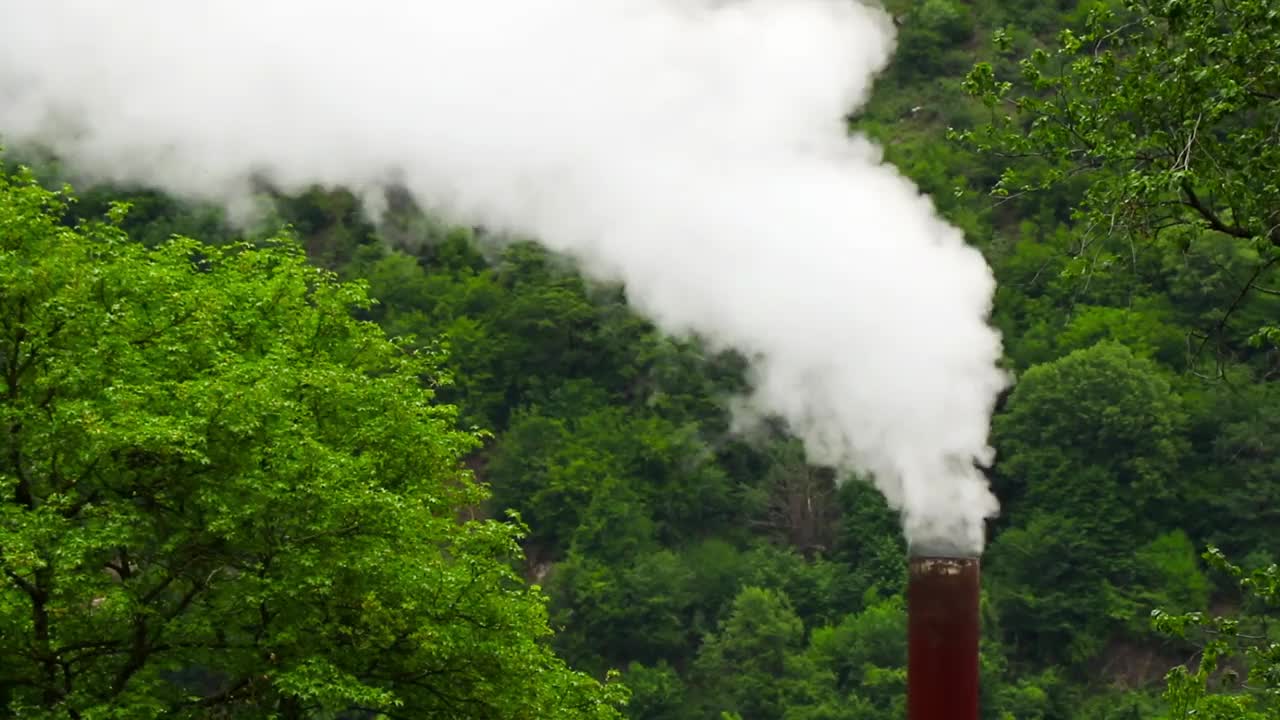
(1165, 116)
(223, 496)
(1236, 675)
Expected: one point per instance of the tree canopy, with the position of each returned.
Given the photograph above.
(224, 494)
(1164, 117)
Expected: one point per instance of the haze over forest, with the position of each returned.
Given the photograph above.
(625, 398)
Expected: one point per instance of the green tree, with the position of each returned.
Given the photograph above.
(819, 589)
(554, 459)
(615, 612)
(331, 223)
(1100, 410)
(746, 666)
(657, 693)
(1168, 112)
(1167, 575)
(1213, 689)
(930, 28)
(870, 542)
(1237, 472)
(1091, 445)
(221, 494)
(866, 654)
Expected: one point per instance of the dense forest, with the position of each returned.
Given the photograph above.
(262, 445)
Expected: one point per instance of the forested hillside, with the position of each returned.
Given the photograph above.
(1123, 186)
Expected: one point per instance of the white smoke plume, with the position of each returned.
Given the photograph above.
(694, 149)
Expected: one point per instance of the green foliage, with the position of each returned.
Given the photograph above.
(820, 590)
(1100, 410)
(1156, 123)
(1145, 330)
(1234, 427)
(223, 494)
(1091, 452)
(657, 693)
(1168, 565)
(613, 613)
(331, 223)
(1169, 110)
(936, 27)
(870, 542)
(866, 653)
(748, 666)
(551, 467)
(1218, 687)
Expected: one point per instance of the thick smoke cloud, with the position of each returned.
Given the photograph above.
(693, 148)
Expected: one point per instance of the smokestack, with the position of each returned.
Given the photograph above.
(942, 630)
